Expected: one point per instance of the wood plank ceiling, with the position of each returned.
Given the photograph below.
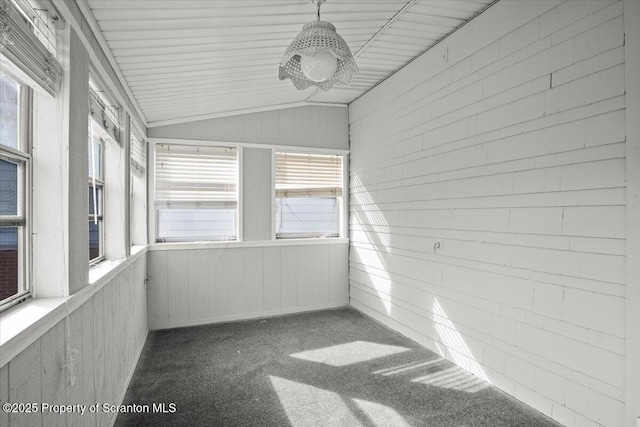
(185, 60)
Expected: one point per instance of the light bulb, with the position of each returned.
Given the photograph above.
(320, 67)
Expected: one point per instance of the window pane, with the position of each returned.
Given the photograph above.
(138, 154)
(95, 203)
(308, 175)
(9, 95)
(8, 188)
(189, 224)
(307, 216)
(9, 271)
(94, 239)
(196, 192)
(95, 157)
(207, 176)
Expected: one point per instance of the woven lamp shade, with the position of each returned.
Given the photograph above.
(317, 37)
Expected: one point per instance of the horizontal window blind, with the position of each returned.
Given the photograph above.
(308, 175)
(106, 116)
(196, 177)
(20, 43)
(138, 153)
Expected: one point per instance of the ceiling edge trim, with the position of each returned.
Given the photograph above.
(189, 119)
(95, 28)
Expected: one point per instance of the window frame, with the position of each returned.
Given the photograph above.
(100, 187)
(342, 200)
(23, 218)
(133, 172)
(108, 115)
(152, 211)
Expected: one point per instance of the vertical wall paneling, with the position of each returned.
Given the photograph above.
(4, 393)
(272, 279)
(488, 204)
(53, 373)
(177, 277)
(107, 332)
(203, 285)
(87, 361)
(26, 386)
(320, 273)
(338, 274)
(158, 310)
(288, 276)
(75, 394)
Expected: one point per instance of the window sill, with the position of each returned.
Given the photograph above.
(106, 269)
(24, 323)
(170, 246)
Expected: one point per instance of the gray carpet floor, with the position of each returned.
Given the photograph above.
(328, 368)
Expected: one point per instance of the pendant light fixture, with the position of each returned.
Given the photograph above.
(318, 56)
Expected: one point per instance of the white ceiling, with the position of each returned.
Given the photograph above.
(185, 60)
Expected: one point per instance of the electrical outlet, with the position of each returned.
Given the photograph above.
(445, 54)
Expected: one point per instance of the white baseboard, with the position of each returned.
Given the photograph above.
(247, 316)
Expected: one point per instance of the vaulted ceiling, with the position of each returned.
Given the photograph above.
(185, 60)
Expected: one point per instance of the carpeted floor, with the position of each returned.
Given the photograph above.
(329, 368)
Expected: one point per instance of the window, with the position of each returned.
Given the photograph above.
(308, 189)
(15, 164)
(96, 195)
(29, 74)
(29, 41)
(196, 193)
(103, 151)
(138, 188)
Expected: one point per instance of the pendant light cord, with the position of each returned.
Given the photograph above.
(319, 5)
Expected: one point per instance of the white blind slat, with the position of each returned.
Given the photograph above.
(104, 115)
(190, 176)
(138, 153)
(308, 175)
(23, 48)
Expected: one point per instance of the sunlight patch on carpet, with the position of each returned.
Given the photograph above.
(308, 405)
(381, 415)
(350, 353)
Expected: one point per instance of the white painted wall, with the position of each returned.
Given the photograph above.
(195, 283)
(192, 286)
(488, 204)
(312, 126)
(256, 194)
(632, 297)
(108, 332)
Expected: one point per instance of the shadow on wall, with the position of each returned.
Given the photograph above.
(373, 233)
(370, 217)
(455, 348)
